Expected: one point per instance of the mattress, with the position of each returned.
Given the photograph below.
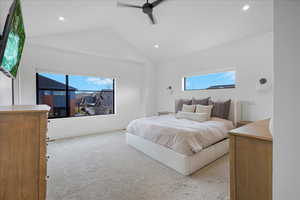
(181, 135)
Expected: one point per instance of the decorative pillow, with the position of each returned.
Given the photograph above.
(188, 108)
(179, 103)
(198, 117)
(204, 109)
(200, 101)
(220, 109)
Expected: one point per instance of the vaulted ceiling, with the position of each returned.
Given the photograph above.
(184, 26)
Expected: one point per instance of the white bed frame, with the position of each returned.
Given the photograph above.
(183, 164)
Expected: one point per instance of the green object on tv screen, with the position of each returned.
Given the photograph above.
(13, 41)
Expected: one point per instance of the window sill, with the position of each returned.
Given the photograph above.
(74, 117)
(208, 89)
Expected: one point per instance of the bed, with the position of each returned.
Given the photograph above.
(181, 144)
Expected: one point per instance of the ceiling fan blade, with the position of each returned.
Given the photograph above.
(152, 18)
(157, 2)
(128, 5)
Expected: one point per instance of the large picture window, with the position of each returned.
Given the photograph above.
(221, 80)
(75, 96)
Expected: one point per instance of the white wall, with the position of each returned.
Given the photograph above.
(252, 58)
(132, 91)
(286, 146)
(5, 90)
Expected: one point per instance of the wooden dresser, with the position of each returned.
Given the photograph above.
(23, 152)
(251, 162)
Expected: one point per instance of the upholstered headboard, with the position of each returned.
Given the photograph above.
(235, 111)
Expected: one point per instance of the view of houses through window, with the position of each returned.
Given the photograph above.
(75, 96)
(221, 80)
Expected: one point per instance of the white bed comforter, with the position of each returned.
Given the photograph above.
(181, 135)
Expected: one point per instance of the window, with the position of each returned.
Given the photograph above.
(75, 96)
(221, 80)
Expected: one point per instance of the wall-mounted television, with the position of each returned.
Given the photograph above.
(12, 41)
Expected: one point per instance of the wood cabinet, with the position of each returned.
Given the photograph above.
(243, 123)
(251, 162)
(164, 113)
(23, 152)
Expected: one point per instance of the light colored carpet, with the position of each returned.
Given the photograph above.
(103, 167)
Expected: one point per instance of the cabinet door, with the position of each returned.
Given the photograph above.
(253, 159)
(19, 153)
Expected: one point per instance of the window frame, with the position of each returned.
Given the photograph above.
(68, 96)
(203, 74)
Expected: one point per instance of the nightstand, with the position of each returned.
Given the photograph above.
(164, 113)
(243, 123)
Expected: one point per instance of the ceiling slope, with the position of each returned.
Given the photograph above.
(185, 26)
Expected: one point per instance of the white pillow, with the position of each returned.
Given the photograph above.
(204, 109)
(198, 117)
(188, 108)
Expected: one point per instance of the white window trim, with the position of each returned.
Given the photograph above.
(205, 72)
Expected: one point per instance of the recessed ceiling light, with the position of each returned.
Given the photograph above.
(156, 46)
(246, 7)
(62, 19)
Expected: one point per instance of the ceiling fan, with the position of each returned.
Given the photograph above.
(147, 8)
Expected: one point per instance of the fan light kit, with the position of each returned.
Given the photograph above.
(156, 46)
(62, 19)
(147, 8)
(246, 7)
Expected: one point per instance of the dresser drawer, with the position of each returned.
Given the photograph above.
(251, 162)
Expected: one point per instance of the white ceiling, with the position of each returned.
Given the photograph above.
(184, 26)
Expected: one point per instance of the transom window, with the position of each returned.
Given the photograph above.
(221, 80)
(75, 96)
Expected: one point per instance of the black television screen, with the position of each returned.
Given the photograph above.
(12, 41)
